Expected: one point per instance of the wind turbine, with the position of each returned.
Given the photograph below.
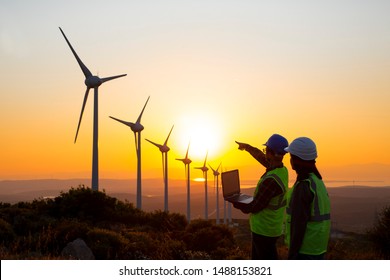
(187, 163)
(137, 127)
(204, 169)
(164, 149)
(216, 185)
(91, 82)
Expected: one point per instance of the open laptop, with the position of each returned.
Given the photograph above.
(231, 188)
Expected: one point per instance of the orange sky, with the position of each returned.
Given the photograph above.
(219, 72)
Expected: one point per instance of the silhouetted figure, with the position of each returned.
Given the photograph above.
(268, 207)
(308, 210)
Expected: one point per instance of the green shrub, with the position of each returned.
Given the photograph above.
(84, 204)
(106, 244)
(7, 234)
(141, 246)
(380, 233)
(216, 240)
(163, 221)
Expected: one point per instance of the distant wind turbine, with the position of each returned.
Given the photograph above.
(204, 169)
(137, 127)
(187, 163)
(91, 82)
(164, 149)
(216, 185)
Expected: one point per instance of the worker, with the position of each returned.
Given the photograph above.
(267, 210)
(308, 208)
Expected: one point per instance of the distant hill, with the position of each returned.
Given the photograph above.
(354, 208)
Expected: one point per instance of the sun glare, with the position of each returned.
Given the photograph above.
(203, 134)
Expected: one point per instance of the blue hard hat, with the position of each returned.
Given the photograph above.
(277, 143)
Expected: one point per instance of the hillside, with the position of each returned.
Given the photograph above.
(354, 208)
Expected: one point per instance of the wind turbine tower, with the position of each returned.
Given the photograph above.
(216, 185)
(204, 169)
(164, 149)
(91, 82)
(137, 127)
(187, 163)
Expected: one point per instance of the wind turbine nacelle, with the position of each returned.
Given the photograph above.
(137, 127)
(164, 149)
(93, 82)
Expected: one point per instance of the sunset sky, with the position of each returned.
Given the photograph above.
(218, 70)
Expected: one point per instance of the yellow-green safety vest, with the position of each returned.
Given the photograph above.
(269, 221)
(316, 238)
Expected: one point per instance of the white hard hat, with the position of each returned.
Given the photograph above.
(303, 147)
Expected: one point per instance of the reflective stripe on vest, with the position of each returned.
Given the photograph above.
(282, 200)
(317, 216)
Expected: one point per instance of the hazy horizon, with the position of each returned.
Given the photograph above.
(339, 176)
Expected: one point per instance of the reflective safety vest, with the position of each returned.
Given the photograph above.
(269, 221)
(315, 240)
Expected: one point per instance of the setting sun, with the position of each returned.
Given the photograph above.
(204, 135)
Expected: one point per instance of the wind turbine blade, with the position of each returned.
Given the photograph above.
(166, 141)
(84, 68)
(212, 168)
(140, 116)
(157, 145)
(124, 122)
(187, 150)
(81, 114)
(204, 164)
(103, 80)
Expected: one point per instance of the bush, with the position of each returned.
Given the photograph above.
(84, 204)
(380, 233)
(141, 246)
(216, 240)
(66, 231)
(163, 221)
(106, 244)
(7, 234)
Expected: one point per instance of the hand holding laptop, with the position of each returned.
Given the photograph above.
(231, 188)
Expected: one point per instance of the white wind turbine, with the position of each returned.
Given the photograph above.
(137, 127)
(91, 82)
(164, 149)
(204, 169)
(216, 185)
(187, 163)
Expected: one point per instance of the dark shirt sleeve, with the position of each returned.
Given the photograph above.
(300, 215)
(268, 189)
(258, 155)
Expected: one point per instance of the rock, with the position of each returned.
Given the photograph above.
(77, 250)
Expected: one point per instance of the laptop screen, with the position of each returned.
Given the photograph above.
(230, 182)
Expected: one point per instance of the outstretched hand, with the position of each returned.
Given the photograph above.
(241, 146)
